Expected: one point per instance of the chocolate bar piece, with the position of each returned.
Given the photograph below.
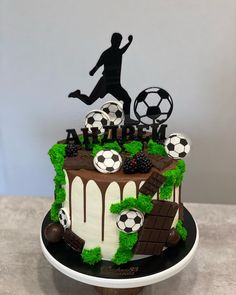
(152, 184)
(156, 228)
(161, 163)
(73, 241)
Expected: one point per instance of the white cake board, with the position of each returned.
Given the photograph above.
(122, 283)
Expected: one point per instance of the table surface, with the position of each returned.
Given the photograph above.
(24, 270)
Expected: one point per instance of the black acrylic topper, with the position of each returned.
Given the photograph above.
(155, 112)
(111, 60)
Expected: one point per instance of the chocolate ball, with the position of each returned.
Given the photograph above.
(53, 232)
(173, 238)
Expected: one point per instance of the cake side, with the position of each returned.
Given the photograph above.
(89, 196)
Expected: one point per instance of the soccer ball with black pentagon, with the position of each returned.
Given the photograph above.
(107, 161)
(130, 221)
(114, 111)
(64, 218)
(153, 105)
(97, 118)
(177, 146)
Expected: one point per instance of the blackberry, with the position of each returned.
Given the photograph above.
(71, 150)
(140, 156)
(144, 164)
(130, 165)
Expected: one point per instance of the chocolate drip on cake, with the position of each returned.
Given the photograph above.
(85, 181)
(70, 178)
(137, 184)
(103, 188)
(103, 182)
(121, 185)
(181, 206)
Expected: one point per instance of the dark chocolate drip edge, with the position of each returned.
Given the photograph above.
(85, 181)
(70, 178)
(103, 188)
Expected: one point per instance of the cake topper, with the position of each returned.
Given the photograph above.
(153, 106)
(115, 112)
(111, 60)
(97, 118)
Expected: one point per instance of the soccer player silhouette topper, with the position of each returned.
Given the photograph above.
(111, 60)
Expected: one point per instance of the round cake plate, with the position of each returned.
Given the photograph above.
(135, 274)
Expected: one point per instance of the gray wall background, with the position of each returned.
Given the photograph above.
(48, 47)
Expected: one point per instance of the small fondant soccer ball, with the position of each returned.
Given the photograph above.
(64, 218)
(114, 111)
(97, 118)
(107, 161)
(130, 221)
(177, 146)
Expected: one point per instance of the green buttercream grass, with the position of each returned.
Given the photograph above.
(133, 147)
(182, 231)
(107, 146)
(54, 211)
(127, 240)
(91, 256)
(122, 256)
(143, 203)
(57, 154)
(126, 243)
(156, 148)
(174, 177)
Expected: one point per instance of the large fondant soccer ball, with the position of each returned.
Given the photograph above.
(153, 106)
(115, 112)
(64, 218)
(130, 221)
(97, 118)
(107, 161)
(177, 146)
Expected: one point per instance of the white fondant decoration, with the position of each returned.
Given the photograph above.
(107, 161)
(177, 146)
(115, 112)
(64, 218)
(97, 118)
(130, 221)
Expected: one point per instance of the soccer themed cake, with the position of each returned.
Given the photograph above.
(118, 178)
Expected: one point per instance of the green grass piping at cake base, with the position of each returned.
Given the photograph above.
(126, 243)
(57, 154)
(91, 256)
(127, 240)
(182, 231)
